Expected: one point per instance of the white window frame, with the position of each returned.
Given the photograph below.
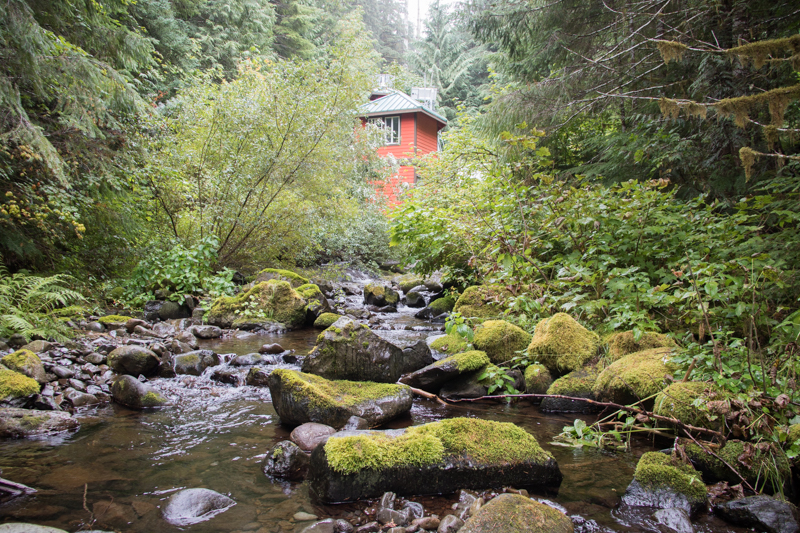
(390, 126)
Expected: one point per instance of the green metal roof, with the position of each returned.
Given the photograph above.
(398, 102)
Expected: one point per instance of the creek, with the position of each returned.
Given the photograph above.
(118, 470)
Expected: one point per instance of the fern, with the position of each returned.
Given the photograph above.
(26, 302)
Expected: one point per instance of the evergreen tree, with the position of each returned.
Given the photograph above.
(387, 20)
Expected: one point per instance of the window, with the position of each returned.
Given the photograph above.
(390, 127)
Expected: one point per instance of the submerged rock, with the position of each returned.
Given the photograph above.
(433, 376)
(133, 360)
(674, 520)
(663, 482)
(25, 362)
(434, 458)
(348, 350)
(194, 363)
(22, 423)
(191, 506)
(761, 512)
(635, 377)
(501, 340)
(19, 527)
(130, 392)
(299, 398)
(513, 512)
(562, 345)
(286, 460)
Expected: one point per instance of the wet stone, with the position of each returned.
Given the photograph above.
(77, 384)
(307, 436)
(286, 460)
(228, 376)
(192, 506)
(271, 349)
(257, 377)
(674, 520)
(450, 524)
(761, 512)
(62, 372)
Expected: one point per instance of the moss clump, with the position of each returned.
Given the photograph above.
(408, 282)
(624, 343)
(466, 361)
(578, 383)
(537, 379)
(21, 360)
(295, 279)
(309, 291)
(677, 401)
(635, 377)
(658, 470)
(501, 340)
(469, 439)
(70, 312)
(153, 399)
(327, 393)
(764, 467)
(518, 514)
(482, 301)
(113, 319)
(450, 344)
(15, 385)
(325, 320)
(441, 305)
(561, 344)
(272, 300)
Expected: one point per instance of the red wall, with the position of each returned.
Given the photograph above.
(406, 147)
(427, 138)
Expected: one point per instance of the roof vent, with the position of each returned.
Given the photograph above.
(426, 95)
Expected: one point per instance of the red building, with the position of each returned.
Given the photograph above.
(411, 128)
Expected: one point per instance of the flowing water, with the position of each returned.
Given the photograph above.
(119, 469)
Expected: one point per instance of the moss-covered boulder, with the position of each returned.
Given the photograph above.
(114, 321)
(537, 379)
(133, 360)
(501, 340)
(764, 466)
(664, 482)
(286, 460)
(317, 303)
(299, 398)
(349, 350)
(23, 423)
(296, 280)
(409, 281)
(514, 512)
(577, 384)
(442, 305)
(195, 362)
(15, 388)
(679, 401)
(25, 362)
(380, 294)
(482, 301)
(433, 376)
(435, 458)
(561, 344)
(130, 392)
(635, 377)
(449, 344)
(265, 303)
(624, 343)
(326, 320)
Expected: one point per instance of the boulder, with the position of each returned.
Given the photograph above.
(415, 299)
(450, 524)
(662, 481)
(435, 458)
(130, 392)
(635, 377)
(27, 363)
(514, 512)
(22, 423)
(464, 386)
(299, 398)
(450, 344)
(257, 377)
(114, 321)
(165, 310)
(133, 360)
(482, 301)
(442, 305)
(272, 349)
(37, 346)
(16, 389)
(625, 343)
(252, 359)
(676, 401)
(317, 303)
(307, 436)
(537, 379)
(577, 384)
(674, 520)
(561, 344)
(348, 350)
(380, 294)
(764, 466)
(762, 513)
(432, 377)
(296, 280)
(408, 282)
(194, 363)
(187, 338)
(501, 340)
(206, 332)
(286, 460)
(326, 320)
(191, 506)
(264, 304)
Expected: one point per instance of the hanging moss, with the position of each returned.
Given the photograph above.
(671, 50)
(771, 135)
(748, 157)
(669, 107)
(759, 53)
(741, 107)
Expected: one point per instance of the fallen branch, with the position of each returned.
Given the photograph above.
(429, 395)
(14, 489)
(736, 472)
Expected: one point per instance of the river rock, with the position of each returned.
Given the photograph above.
(661, 481)
(206, 332)
(635, 377)
(761, 512)
(561, 344)
(130, 392)
(27, 363)
(578, 384)
(380, 294)
(299, 398)
(16, 389)
(273, 349)
(194, 363)
(348, 350)
(133, 360)
(275, 300)
(191, 506)
(674, 520)
(433, 376)
(80, 399)
(226, 375)
(165, 310)
(257, 377)
(513, 512)
(501, 340)
(164, 329)
(415, 298)
(464, 386)
(19, 527)
(286, 461)
(252, 359)
(537, 379)
(450, 524)
(23, 423)
(307, 436)
(439, 457)
(131, 324)
(37, 346)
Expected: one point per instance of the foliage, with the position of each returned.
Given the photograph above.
(455, 324)
(496, 379)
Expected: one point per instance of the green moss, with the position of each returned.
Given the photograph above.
(794, 433)
(275, 299)
(656, 470)
(501, 340)
(392, 298)
(561, 344)
(576, 383)
(325, 320)
(514, 513)
(153, 399)
(466, 361)
(16, 385)
(442, 305)
(768, 469)
(635, 376)
(677, 400)
(70, 312)
(30, 422)
(326, 393)
(623, 343)
(190, 359)
(482, 301)
(408, 282)
(286, 275)
(21, 359)
(471, 439)
(375, 289)
(537, 379)
(113, 319)
(449, 344)
(309, 291)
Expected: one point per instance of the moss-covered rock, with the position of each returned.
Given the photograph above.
(433, 376)
(561, 344)
(537, 379)
(514, 512)
(195, 362)
(23, 423)
(635, 377)
(442, 305)
(317, 302)
(482, 301)
(500, 340)
(380, 294)
(295, 279)
(662, 481)
(71, 311)
(577, 384)
(133, 360)
(678, 401)
(765, 467)
(299, 398)
(114, 321)
(16, 388)
(130, 392)
(25, 362)
(433, 458)
(409, 281)
(266, 302)
(450, 344)
(326, 320)
(624, 343)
